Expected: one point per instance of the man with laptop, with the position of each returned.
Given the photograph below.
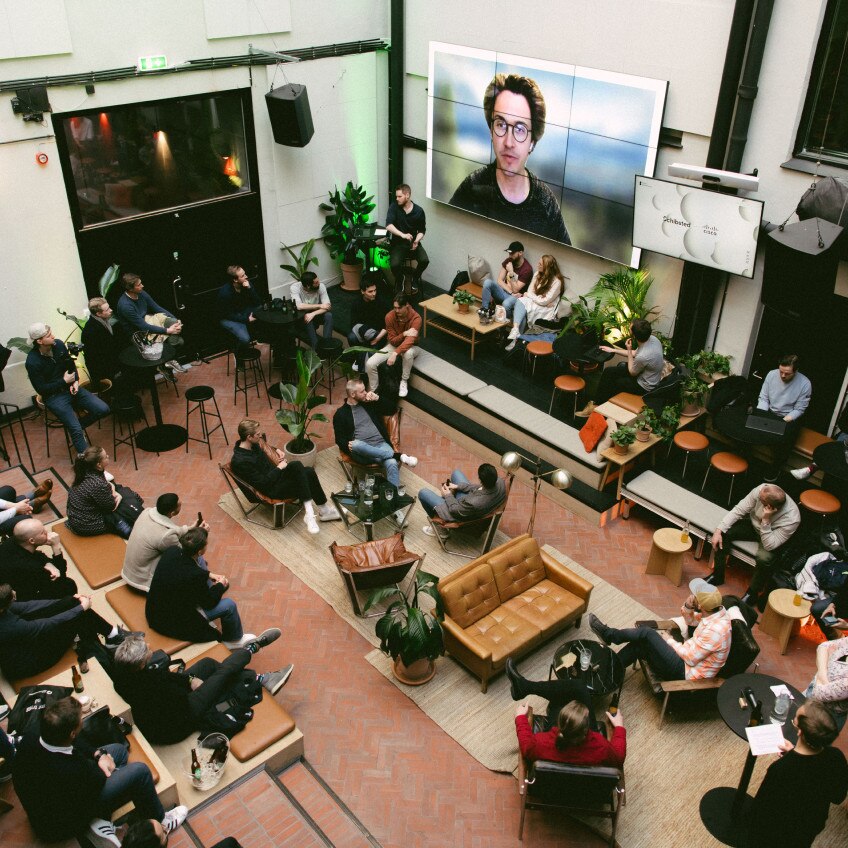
(785, 394)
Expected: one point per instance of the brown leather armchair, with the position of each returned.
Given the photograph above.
(255, 497)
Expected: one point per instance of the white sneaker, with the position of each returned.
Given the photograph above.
(102, 834)
(510, 346)
(172, 363)
(403, 391)
(328, 512)
(355, 367)
(240, 643)
(174, 818)
(429, 531)
(311, 523)
(399, 516)
(513, 333)
(802, 473)
(409, 461)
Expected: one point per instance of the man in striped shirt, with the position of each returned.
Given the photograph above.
(699, 657)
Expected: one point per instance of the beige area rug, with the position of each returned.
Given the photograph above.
(667, 771)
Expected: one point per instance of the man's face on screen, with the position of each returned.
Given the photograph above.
(512, 109)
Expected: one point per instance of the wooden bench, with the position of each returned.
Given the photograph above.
(129, 604)
(98, 558)
(254, 496)
(137, 754)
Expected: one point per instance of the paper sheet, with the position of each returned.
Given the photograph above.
(781, 689)
(765, 739)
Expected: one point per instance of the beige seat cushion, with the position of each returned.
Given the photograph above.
(98, 558)
(545, 605)
(129, 604)
(629, 401)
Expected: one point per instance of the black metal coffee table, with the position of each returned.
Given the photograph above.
(354, 510)
(605, 673)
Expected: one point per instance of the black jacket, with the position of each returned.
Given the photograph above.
(60, 793)
(237, 305)
(178, 588)
(343, 427)
(102, 349)
(47, 373)
(24, 572)
(255, 468)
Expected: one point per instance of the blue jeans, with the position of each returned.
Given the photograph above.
(492, 291)
(311, 333)
(129, 782)
(237, 329)
(646, 643)
(519, 315)
(227, 611)
(383, 453)
(63, 406)
(430, 499)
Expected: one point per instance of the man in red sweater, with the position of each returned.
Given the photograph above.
(403, 324)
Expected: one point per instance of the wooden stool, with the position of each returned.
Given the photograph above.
(568, 384)
(666, 555)
(726, 463)
(690, 442)
(782, 616)
(537, 350)
(820, 502)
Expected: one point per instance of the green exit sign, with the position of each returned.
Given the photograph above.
(152, 63)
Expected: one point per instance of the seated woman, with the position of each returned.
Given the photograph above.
(278, 479)
(830, 685)
(93, 499)
(570, 740)
(540, 301)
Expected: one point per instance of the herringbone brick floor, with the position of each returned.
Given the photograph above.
(407, 781)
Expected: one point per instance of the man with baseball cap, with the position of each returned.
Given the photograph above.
(516, 274)
(699, 657)
(54, 376)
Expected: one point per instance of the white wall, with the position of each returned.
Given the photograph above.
(348, 100)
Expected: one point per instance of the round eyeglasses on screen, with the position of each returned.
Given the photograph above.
(519, 130)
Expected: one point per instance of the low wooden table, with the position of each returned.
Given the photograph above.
(666, 555)
(782, 617)
(464, 326)
(622, 460)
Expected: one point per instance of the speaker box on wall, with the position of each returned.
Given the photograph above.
(291, 120)
(799, 276)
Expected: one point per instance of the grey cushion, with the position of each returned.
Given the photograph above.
(440, 371)
(537, 423)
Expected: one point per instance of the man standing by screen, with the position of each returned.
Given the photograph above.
(506, 190)
(407, 223)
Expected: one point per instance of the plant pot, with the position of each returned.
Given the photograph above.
(621, 449)
(691, 408)
(420, 672)
(308, 458)
(351, 275)
(463, 308)
(642, 435)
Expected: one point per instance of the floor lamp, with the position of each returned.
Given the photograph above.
(560, 478)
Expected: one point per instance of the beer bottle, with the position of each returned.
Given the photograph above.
(219, 755)
(684, 533)
(76, 679)
(83, 662)
(613, 707)
(195, 764)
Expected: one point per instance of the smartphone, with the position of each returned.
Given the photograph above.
(830, 620)
(199, 519)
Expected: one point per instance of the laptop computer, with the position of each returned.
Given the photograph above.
(766, 423)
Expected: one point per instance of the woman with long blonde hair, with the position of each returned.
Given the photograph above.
(541, 300)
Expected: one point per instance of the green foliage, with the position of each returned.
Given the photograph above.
(663, 425)
(301, 261)
(585, 319)
(18, 343)
(693, 388)
(346, 210)
(109, 278)
(624, 435)
(404, 629)
(463, 296)
(624, 294)
(301, 400)
(665, 341)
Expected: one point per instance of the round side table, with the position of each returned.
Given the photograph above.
(782, 617)
(666, 555)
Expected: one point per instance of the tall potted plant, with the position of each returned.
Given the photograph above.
(346, 210)
(300, 401)
(411, 636)
(624, 294)
(300, 261)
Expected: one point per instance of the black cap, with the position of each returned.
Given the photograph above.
(515, 246)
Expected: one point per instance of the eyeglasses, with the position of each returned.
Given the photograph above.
(519, 131)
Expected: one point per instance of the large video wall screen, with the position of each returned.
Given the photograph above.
(540, 146)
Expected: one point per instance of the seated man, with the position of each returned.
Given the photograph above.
(65, 786)
(54, 376)
(34, 635)
(184, 596)
(403, 326)
(768, 516)
(313, 303)
(236, 302)
(514, 277)
(359, 431)
(15, 508)
(137, 310)
(279, 480)
(464, 501)
(699, 657)
(169, 705)
(30, 572)
(639, 375)
(104, 340)
(152, 534)
(367, 321)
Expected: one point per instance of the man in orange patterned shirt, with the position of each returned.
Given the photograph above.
(700, 656)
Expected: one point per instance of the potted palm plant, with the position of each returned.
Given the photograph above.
(623, 437)
(300, 402)
(411, 636)
(624, 294)
(463, 299)
(346, 210)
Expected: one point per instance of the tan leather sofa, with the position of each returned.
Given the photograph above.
(507, 602)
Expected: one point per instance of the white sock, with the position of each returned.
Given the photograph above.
(113, 632)
(309, 506)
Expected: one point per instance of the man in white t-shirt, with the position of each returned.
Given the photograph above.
(313, 304)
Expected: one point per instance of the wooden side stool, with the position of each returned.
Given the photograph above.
(570, 385)
(782, 616)
(666, 555)
(726, 462)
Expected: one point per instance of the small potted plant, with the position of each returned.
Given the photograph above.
(643, 425)
(411, 636)
(346, 210)
(463, 300)
(300, 261)
(300, 401)
(623, 437)
(693, 390)
(665, 424)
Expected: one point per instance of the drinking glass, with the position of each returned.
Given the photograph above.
(780, 709)
(585, 659)
(348, 487)
(389, 494)
(401, 489)
(361, 487)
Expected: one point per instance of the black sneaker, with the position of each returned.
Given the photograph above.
(516, 681)
(273, 681)
(713, 580)
(598, 628)
(114, 641)
(265, 639)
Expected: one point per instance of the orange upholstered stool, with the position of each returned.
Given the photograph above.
(726, 463)
(819, 502)
(568, 384)
(690, 442)
(537, 350)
